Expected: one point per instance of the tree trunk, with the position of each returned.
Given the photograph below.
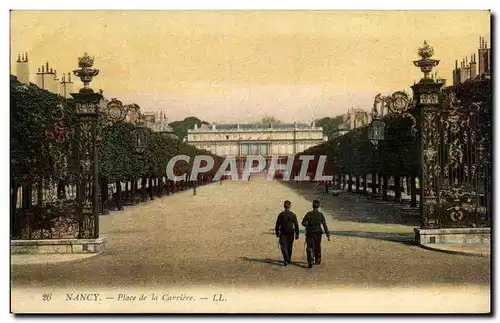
(39, 191)
(39, 200)
(133, 191)
(365, 184)
(384, 191)
(27, 197)
(357, 183)
(144, 197)
(151, 189)
(413, 189)
(118, 196)
(14, 224)
(160, 186)
(397, 188)
(104, 196)
(374, 183)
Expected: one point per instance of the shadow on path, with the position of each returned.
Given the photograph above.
(354, 207)
(275, 262)
(264, 260)
(402, 237)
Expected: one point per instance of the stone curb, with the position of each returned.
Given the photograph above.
(456, 252)
(91, 255)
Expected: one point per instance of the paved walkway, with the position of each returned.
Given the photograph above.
(33, 259)
(479, 250)
(223, 238)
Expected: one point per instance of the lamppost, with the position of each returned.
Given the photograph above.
(376, 133)
(396, 104)
(140, 137)
(87, 112)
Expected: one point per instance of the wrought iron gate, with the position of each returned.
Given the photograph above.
(461, 172)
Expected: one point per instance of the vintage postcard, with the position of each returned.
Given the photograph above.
(250, 161)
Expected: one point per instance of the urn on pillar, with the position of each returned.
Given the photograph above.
(426, 101)
(450, 181)
(87, 104)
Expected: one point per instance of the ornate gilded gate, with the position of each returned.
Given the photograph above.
(458, 177)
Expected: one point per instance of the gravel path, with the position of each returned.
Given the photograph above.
(224, 236)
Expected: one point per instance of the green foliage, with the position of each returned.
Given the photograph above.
(268, 121)
(330, 125)
(181, 127)
(40, 131)
(119, 160)
(42, 142)
(353, 153)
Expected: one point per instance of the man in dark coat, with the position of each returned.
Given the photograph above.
(286, 228)
(313, 221)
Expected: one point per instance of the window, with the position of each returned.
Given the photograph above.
(227, 137)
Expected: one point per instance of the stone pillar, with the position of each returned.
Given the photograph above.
(426, 100)
(448, 208)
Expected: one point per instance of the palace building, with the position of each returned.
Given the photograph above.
(240, 140)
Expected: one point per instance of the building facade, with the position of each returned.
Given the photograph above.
(45, 78)
(157, 121)
(356, 118)
(475, 69)
(252, 139)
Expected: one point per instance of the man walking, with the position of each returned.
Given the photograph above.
(313, 221)
(286, 228)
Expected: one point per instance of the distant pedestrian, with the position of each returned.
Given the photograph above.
(286, 229)
(313, 221)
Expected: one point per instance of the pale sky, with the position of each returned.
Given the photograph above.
(239, 66)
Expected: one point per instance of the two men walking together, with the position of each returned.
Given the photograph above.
(287, 229)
